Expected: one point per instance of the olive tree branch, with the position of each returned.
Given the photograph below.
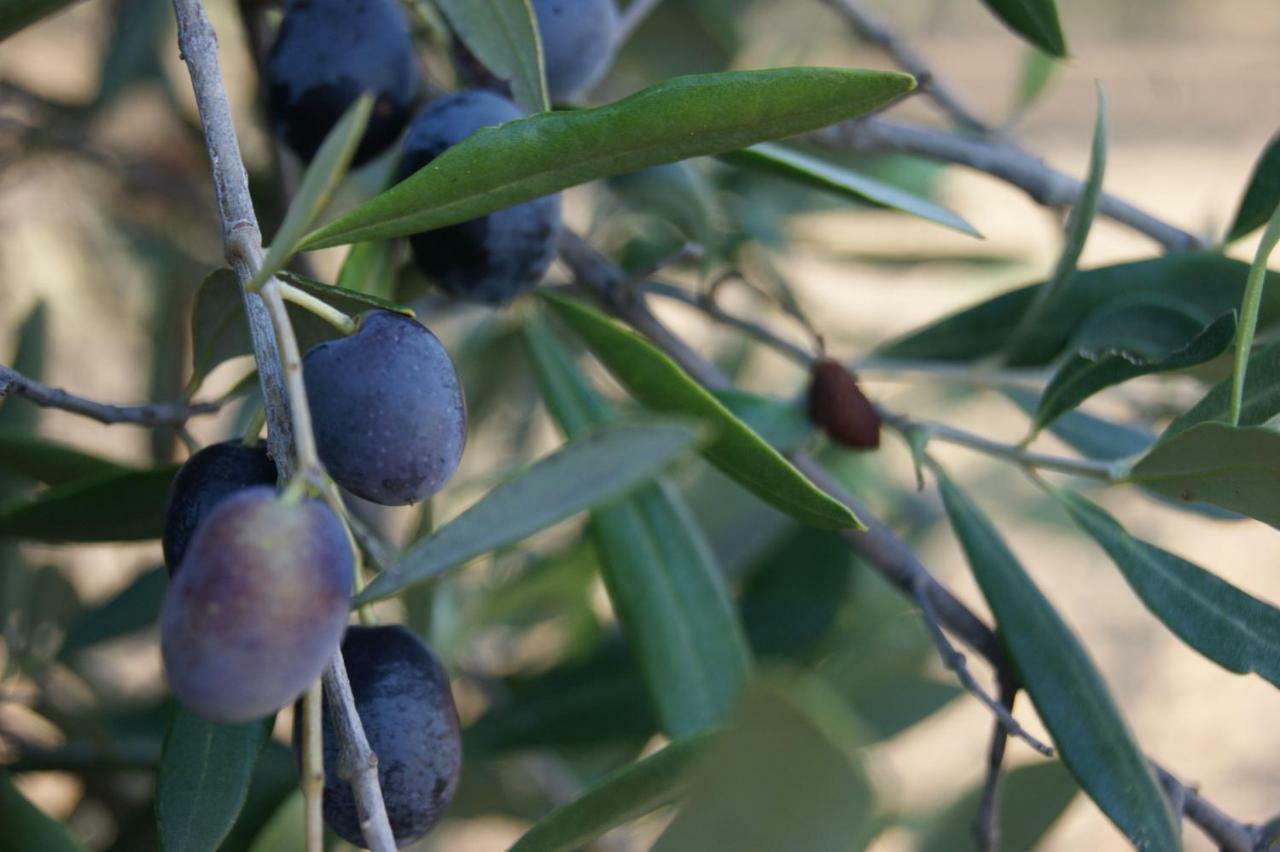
(1015, 454)
(986, 826)
(1000, 159)
(874, 31)
(147, 414)
(279, 369)
(877, 545)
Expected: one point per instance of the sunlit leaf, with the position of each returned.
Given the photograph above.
(680, 118)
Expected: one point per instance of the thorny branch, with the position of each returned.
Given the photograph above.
(877, 545)
(243, 242)
(148, 414)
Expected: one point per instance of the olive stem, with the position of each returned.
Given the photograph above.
(313, 767)
(1091, 468)
(275, 350)
(327, 312)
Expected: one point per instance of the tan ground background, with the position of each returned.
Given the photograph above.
(1194, 88)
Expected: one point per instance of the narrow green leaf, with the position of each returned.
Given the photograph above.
(659, 383)
(1073, 701)
(1261, 195)
(1249, 310)
(584, 473)
(135, 608)
(503, 34)
(680, 118)
(116, 506)
(28, 357)
(1034, 75)
(680, 196)
(1086, 373)
(1032, 798)
(28, 455)
(369, 268)
(1055, 290)
(1235, 467)
(26, 827)
(283, 832)
(784, 424)
(1234, 629)
(18, 14)
(813, 171)
(784, 775)
(326, 171)
(1207, 283)
(660, 572)
(1034, 20)
(1259, 403)
(220, 331)
(203, 779)
(1092, 437)
(627, 794)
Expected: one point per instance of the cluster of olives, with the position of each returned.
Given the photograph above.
(261, 581)
(329, 51)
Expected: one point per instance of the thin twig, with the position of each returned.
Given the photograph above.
(147, 414)
(955, 661)
(712, 308)
(1230, 834)
(1046, 185)
(978, 375)
(1091, 468)
(877, 545)
(279, 370)
(874, 31)
(313, 768)
(986, 825)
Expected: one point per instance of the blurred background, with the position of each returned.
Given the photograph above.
(107, 228)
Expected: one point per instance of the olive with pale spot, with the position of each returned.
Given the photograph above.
(259, 606)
